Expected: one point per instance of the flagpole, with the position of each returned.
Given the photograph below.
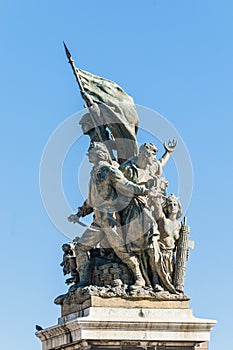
(82, 91)
(74, 69)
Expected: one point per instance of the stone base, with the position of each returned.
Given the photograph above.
(125, 324)
(78, 301)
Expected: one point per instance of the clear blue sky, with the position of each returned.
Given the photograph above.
(174, 56)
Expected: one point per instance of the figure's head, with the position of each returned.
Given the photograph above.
(66, 248)
(86, 123)
(98, 152)
(172, 206)
(148, 151)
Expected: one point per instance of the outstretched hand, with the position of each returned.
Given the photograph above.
(170, 146)
(73, 218)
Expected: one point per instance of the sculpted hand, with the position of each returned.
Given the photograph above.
(170, 146)
(73, 218)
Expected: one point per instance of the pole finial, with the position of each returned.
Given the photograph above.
(68, 54)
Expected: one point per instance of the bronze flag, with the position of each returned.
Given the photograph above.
(118, 111)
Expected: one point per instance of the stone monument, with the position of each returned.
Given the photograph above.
(126, 271)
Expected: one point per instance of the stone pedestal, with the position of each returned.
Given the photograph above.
(128, 324)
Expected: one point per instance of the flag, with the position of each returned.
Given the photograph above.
(118, 111)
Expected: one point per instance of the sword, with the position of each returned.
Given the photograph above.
(75, 219)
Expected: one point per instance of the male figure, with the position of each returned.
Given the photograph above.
(146, 166)
(109, 192)
(136, 218)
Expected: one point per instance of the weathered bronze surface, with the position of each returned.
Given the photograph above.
(136, 245)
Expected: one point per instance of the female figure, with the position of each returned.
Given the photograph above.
(169, 228)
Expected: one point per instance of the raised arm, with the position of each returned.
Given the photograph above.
(169, 148)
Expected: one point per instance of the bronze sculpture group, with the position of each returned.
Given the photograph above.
(135, 245)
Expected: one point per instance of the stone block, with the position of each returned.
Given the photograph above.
(125, 324)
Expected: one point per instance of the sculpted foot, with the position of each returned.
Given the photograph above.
(139, 281)
(158, 288)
